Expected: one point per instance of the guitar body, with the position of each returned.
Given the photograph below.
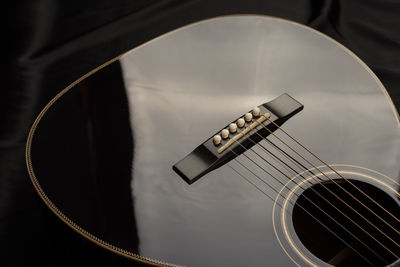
(181, 89)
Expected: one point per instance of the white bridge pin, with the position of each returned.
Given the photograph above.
(248, 117)
(240, 122)
(225, 133)
(217, 139)
(233, 127)
(256, 111)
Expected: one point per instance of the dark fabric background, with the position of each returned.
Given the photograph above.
(49, 44)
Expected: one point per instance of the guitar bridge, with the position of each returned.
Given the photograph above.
(236, 138)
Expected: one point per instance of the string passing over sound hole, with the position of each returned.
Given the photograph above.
(380, 235)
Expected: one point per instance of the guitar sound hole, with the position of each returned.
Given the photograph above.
(326, 246)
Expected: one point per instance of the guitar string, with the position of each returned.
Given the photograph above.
(355, 212)
(336, 208)
(337, 198)
(316, 192)
(324, 163)
(312, 216)
(280, 150)
(310, 201)
(297, 195)
(347, 180)
(344, 202)
(330, 190)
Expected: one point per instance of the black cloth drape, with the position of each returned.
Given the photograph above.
(49, 44)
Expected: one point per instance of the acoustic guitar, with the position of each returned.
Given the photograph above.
(235, 141)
